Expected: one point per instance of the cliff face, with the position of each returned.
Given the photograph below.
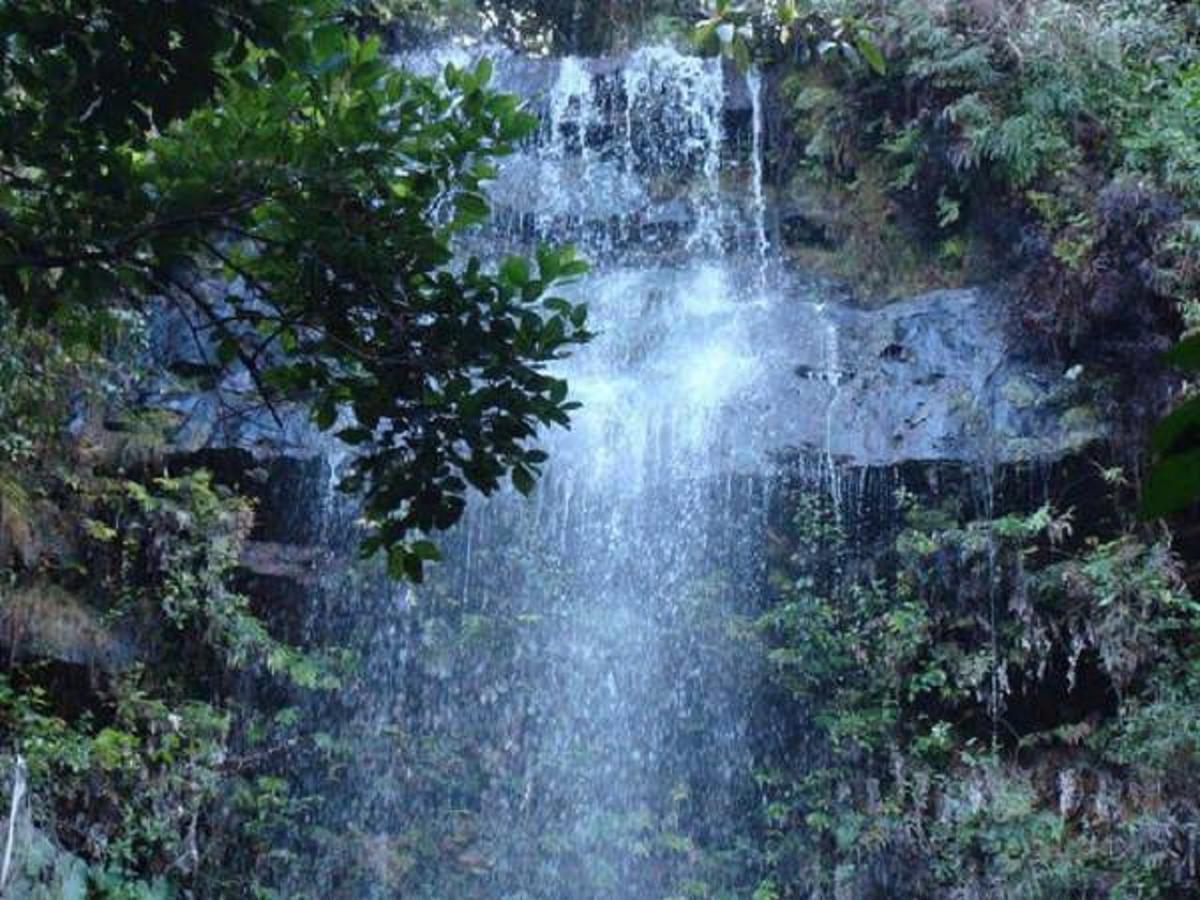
(781, 507)
(597, 677)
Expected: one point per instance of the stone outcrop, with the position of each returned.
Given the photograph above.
(44, 621)
(933, 378)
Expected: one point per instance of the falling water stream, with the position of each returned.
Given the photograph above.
(597, 709)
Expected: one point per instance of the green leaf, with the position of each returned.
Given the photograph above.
(414, 568)
(426, 550)
(327, 40)
(1179, 429)
(483, 72)
(1173, 485)
(573, 268)
(472, 207)
(227, 351)
(366, 74)
(325, 415)
(515, 271)
(397, 563)
(523, 480)
(548, 263)
(871, 53)
(1185, 354)
(355, 436)
(275, 67)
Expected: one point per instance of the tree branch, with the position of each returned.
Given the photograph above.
(118, 249)
(168, 282)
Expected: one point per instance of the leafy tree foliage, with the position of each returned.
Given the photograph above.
(1174, 483)
(736, 30)
(578, 26)
(297, 198)
(989, 717)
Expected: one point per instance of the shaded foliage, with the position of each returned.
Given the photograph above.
(997, 715)
(322, 188)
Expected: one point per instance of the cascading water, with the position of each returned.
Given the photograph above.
(833, 372)
(762, 244)
(563, 704)
(569, 709)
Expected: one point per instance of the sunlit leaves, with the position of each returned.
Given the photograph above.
(734, 29)
(870, 51)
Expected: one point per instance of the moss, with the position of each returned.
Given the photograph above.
(1022, 393)
(1082, 425)
(867, 240)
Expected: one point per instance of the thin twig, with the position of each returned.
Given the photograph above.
(166, 282)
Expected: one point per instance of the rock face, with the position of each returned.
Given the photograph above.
(933, 378)
(711, 364)
(41, 620)
(216, 407)
(38, 868)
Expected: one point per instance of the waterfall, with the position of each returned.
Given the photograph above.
(833, 372)
(563, 704)
(571, 117)
(762, 245)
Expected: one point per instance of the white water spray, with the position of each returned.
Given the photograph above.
(762, 244)
(652, 511)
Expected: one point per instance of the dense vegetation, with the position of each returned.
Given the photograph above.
(261, 173)
(1001, 702)
(1004, 708)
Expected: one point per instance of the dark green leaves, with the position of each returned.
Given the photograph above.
(472, 209)
(1185, 354)
(408, 560)
(328, 40)
(1173, 485)
(291, 159)
(523, 480)
(1174, 482)
(870, 51)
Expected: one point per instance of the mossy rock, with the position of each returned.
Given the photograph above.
(1022, 393)
(42, 620)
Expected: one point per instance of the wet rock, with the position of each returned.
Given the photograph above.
(44, 621)
(933, 378)
(297, 562)
(34, 531)
(40, 869)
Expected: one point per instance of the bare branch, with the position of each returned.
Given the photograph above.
(167, 282)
